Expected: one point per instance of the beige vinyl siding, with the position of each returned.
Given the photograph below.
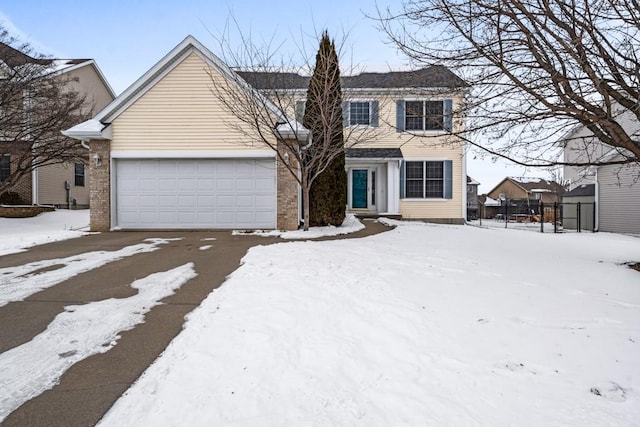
(86, 80)
(619, 199)
(51, 190)
(386, 136)
(435, 208)
(182, 113)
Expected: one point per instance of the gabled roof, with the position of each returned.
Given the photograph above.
(431, 77)
(141, 86)
(15, 58)
(532, 185)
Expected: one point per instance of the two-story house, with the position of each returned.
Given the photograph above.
(170, 154)
(408, 164)
(60, 184)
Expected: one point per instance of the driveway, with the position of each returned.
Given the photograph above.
(89, 388)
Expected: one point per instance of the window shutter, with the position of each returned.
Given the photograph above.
(448, 179)
(402, 178)
(300, 111)
(448, 115)
(375, 120)
(345, 113)
(400, 115)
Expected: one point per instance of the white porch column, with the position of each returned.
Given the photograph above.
(393, 187)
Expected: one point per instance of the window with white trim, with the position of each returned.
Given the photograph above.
(426, 179)
(424, 115)
(360, 113)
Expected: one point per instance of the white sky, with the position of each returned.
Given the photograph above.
(126, 38)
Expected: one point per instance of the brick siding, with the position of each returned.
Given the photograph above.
(287, 188)
(100, 186)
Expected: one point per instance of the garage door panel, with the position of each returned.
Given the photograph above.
(244, 184)
(188, 193)
(244, 201)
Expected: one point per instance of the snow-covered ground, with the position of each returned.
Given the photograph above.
(351, 224)
(421, 325)
(20, 233)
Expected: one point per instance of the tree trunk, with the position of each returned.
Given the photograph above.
(305, 203)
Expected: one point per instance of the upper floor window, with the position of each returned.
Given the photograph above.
(79, 174)
(424, 115)
(363, 113)
(354, 113)
(5, 168)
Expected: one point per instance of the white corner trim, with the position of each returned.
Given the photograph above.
(193, 154)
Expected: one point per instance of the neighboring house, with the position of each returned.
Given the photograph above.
(472, 198)
(616, 187)
(488, 208)
(62, 184)
(525, 194)
(169, 154)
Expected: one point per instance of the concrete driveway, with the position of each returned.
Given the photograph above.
(89, 388)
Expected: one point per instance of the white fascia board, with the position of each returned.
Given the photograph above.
(90, 129)
(193, 154)
(360, 160)
(293, 130)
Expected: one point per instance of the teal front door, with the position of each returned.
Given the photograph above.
(359, 184)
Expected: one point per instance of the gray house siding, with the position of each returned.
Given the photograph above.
(619, 199)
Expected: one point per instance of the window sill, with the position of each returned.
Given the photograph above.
(427, 132)
(430, 199)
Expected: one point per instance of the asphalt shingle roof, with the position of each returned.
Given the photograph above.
(374, 153)
(434, 76)
(582, 190)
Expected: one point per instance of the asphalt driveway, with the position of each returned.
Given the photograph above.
(89, 388)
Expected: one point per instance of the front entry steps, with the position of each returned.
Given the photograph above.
(375, 215)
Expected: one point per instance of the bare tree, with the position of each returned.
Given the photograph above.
(267, 101)
(36, 104)
(537, 68)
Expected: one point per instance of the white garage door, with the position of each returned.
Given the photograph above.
(189, 193)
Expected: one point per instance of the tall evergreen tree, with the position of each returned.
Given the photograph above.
(323, 117)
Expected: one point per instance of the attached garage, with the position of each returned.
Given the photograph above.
(169, 153)
(195, 193)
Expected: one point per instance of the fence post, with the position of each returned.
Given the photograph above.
(578, 212)
(541, 213)
(555, 217)
(506, 212)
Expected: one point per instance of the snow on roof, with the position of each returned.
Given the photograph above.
(471, 181)
(526, 179)
(90, 129)
(491, 202)
(540, 190)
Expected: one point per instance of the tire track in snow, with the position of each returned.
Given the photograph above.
(79, 332)
(17, 283)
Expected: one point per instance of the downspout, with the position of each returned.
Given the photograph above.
(597, 202)
(464, 182)
(35, 197)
